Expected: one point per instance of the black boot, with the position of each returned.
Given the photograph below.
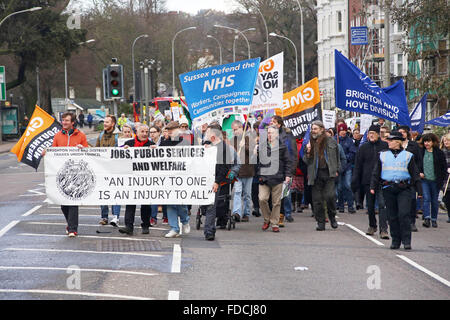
(320, 226)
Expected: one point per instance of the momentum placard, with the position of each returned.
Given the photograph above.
(108, 176)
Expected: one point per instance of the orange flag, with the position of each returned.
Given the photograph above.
(38, 136)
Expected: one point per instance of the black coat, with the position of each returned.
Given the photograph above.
(280, 167)
(415, 149)
(440, 166)
(130, 143)
(365, 160)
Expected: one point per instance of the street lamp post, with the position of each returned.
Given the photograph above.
(173, 57)
(1, 22)
(132, 62)
(220, 46)
(267, 31)
(65, 72)
(302, 41)
(234, 42)
(273, 34)
(240, 32)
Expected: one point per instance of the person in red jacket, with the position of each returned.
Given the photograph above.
(69, 136)
(298, 187)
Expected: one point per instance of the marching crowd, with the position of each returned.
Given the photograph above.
(396, 174)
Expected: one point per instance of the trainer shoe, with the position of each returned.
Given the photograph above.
(290, 219)
(275, 229)
(67, 230)
(209, 237)
(371, 231)
(126, 230)
(265, 226)
(165, 221)
(245, 219)
(153, 222)
(103, 222)
(384, 235)
(434, 224)
(237, 217)
(114, 222)
(172, 234)
(73, 234)
(186, 228)
(145, 230)
(426, 223)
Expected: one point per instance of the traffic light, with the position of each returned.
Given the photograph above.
(114, 81)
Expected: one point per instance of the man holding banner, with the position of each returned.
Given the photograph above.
(70, 137)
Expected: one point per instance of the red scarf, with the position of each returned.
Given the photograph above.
(138, 143)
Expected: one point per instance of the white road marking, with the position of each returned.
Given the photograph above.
(174, 295)
(428, 272)
(176, 259)
(85, 270)
(87, 237)
(87, 225)
(29, 212)
(76, 293)
(85, 251)
(8, 227)
(363, 234)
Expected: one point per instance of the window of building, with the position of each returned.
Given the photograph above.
(399, 64)
(339, 21)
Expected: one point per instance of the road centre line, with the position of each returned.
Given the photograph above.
(8, 227)
(173, 295)
(428, 272)
(81, 236)
(76, 293)
(29, 212)
(176, 259)
(85, 225)
(85, 251)
(362, 233)
(84, 270)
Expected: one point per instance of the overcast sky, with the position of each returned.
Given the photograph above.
(193, 6)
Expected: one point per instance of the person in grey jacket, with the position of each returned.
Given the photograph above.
(323, 161)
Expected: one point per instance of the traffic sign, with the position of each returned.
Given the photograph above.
(359, 35)
(2, 84)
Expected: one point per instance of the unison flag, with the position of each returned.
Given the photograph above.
(301, 106)
(38, 136)
(418, 115)
(356, 92)
(442, 121)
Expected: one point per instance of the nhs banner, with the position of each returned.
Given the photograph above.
(418, 115)
(207, 90)
(358, 93)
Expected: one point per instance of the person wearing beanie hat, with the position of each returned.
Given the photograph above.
(344, 180)
(396, 172)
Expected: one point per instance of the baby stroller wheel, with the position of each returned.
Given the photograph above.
(198, 220)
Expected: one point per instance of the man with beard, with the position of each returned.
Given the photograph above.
(323, 161)
(366, 158)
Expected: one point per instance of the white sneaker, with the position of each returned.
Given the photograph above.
(172, 234)
(114, 222)
(186, 228)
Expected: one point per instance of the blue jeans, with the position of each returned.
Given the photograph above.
(242, 191)
(430, 199)
(287, 206)
(115, 211)
(175, 211)
(344, 191)
(154, 209)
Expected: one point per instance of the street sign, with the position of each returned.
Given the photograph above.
(2, 84)
(359, 35)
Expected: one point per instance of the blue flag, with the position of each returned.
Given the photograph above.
(209, 89)
(364, 138)
(418, 115)
(356, 92)
(305, 141)
(442, 121)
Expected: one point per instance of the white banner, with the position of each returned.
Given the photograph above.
(268, 92)
(366, 122)
(329, 118)
(108, 176)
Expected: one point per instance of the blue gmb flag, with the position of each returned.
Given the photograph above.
(356, 92)
(418, 115)
(209, 89)
(442, 121)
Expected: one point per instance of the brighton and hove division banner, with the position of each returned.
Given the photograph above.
(442, 121)
(301, 106)
(356, 92)
(210, 89)
(268, 92)
(108, 176)
(418, 115)
(38, 135)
